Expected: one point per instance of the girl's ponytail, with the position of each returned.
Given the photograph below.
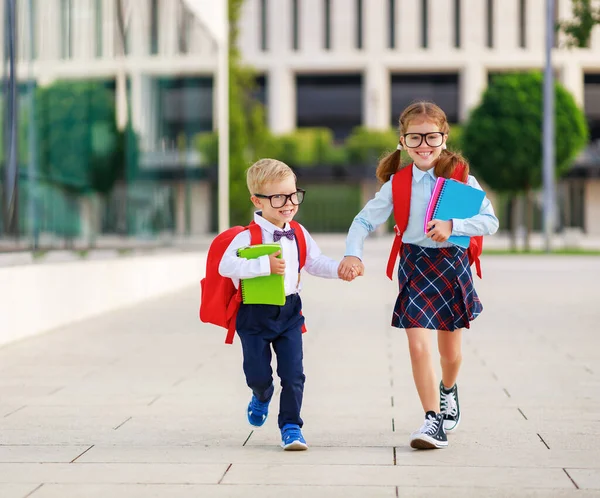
(387, 166)
(447, 161)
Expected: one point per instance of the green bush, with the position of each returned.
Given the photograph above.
(365, 146)
(329, 208)
(307, 147)
(207, 144)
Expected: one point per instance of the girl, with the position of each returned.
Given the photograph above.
(436, 285)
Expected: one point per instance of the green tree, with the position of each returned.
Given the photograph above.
(503, 137)
(80, 148)
(249, 137)
(578, 30)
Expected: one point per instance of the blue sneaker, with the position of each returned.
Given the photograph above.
(292, 438)
(257, 411)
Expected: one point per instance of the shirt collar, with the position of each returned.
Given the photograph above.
(418, 174)
(267, 226)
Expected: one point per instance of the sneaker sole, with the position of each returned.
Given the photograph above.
(427, 443)
(295, 446)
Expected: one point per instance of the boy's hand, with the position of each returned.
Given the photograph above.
(350, 268)
(277, 264)
(438, 230)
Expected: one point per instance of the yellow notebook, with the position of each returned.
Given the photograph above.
(262, 290)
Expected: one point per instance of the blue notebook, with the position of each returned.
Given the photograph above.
(453, 199)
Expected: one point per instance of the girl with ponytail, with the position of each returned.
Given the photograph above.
(436, 289)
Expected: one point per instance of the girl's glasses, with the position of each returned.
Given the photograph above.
(414, 140)
(280, 200)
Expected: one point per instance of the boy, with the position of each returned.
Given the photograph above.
(272, 186)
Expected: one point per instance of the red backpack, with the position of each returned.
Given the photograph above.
(401, 190)
(220, 300)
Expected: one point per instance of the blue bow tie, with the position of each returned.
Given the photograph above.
(278, 234)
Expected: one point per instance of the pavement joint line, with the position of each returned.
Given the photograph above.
(521, 412)
(394, 454)
(397, 492)
(494, 376)
(542, 440)
(33, 491)
(15, 411)
(248, 438)
(392, 400)
(179, 381)
(572, 480)
(56, 390)
(506, 392)
(122, 423)
(588, 370)
(81, 454)
(225, 473)
(155, 400)
(393, 425)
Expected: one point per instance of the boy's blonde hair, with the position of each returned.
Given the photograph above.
(265, 171)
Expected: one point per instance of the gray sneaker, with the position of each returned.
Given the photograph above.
(449, 407)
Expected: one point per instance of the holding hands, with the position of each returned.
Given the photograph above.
(439, 231)
(350, 268)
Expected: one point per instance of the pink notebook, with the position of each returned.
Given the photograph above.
(435, 195)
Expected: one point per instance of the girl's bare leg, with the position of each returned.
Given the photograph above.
(419, 345)
(450, 348)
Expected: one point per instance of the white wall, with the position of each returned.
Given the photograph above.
(39, 297)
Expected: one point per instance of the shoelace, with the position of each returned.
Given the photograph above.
(430, 426)
(292, 434)
(257, 406)
(448, 404)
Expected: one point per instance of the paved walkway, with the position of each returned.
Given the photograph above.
(149, 402)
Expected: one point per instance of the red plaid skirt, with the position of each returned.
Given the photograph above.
(436, 289)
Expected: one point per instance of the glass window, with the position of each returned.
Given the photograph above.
(442, 89)
(153, 27)
(327, 24)
(424, 23)
(66, 22)
(490, 23)
(522, 23)
(330, 101)
(591, 106)
(98, 27)
(392, 23)
(263, 25)
(295, 26)
(457, 23)
(359, 24)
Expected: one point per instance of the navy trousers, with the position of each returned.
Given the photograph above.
(261, 326)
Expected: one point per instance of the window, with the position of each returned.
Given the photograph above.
(327, 22)
(153, 27)
(591, 106)
(184, 28)
(457, 24)
(359, 24)
(263, 25)
(439, 88)
(424, 23)
(66, 24)
(392, 24)
(329, 101)
(490, 23)
(522, 23)
(98, 27)
(556, 21)
(295, 29)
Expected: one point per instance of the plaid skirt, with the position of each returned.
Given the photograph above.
(436, 289)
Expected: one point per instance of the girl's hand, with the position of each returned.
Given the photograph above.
(350, 268)
(277, 264)
(438, 230)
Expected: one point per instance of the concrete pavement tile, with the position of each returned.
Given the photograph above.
(272, 454)
(586, 478)
(16, 490)
(478, 492)
(112, 473)
(40, 454)
(207, 490)
(485, 477)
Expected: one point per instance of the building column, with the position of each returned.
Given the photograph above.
(377, 98)
(572, 78)
(281, 99)
(473, 82)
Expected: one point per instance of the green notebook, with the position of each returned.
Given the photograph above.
(262, 290)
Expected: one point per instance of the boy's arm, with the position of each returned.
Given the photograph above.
(234, 267)
(317, 263)
(484, 223)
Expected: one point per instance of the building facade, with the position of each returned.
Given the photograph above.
(331, 63)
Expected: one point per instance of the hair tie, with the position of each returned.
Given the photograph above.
(399, 147)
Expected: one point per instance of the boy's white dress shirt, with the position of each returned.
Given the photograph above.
(237, 268)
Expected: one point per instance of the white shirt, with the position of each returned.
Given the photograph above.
(236, 268)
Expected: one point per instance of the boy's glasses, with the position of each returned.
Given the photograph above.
(414, 140)
(280, 200)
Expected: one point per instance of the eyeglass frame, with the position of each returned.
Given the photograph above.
(288, 197)
(423, 137)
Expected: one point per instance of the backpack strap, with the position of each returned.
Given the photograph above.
(234, 304)
(300, 243)
(401, 192)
